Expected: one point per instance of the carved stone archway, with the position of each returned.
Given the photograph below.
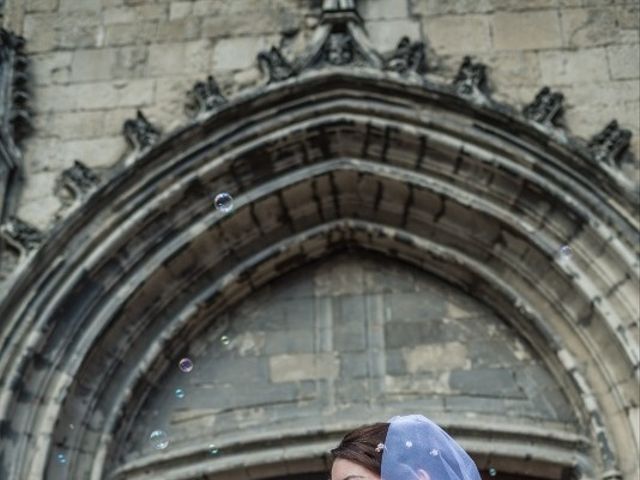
(342, 148)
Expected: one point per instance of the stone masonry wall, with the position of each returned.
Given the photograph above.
(94, 62)
(357, 338)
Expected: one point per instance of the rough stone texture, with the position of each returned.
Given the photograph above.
(99, 56)
(332, 365)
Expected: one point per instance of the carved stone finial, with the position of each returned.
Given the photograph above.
(546, 107)
(21, 236)
(204, 97)
(408, 57)
(80, 179)
(140, 133)
(275, 64)
(610, 144)
(338, 5)
(471, 80)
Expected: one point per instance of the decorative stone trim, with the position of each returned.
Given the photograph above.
(79, 179)
(471, 80)
(204, 97)
(140, 133)
(274, 63)
(22, 236)
(546, 108)
(610, 145)
(15, 118)
(408, 57)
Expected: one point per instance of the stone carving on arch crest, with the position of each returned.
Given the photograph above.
(22, 236)
(139, 132)
(204, 97)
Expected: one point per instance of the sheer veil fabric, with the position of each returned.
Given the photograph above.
(418, 449)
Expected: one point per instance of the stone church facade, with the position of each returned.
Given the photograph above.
(435, 211)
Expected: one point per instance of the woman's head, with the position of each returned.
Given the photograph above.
(409, 447)
(359, 454)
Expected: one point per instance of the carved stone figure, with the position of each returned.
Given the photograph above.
(408, 56)
(546, 108)
(609, 145)
(140, 133)
(339, 49)
(80, 179)
(21, 236)
(204, 97)
(471, 78)
(275, 64)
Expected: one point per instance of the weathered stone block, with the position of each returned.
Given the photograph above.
(588, 27)
(571, 67)
(51, 67)
(439, 357)
(383, 9)
(94, 64)
(32, 6)
(297, 367)
(178, 30)
(130, 33)
(624, 61)
(239, 53)
(459, 33)
(178, 10)
(534, 31)
(385, 34)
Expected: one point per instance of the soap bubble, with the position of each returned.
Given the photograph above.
(225, 340)
(185, 365)
(566, 252)
(159, 440)
(492, 472)
(213, 450)
(223, 202)
(61, 458)
(408, 444)
(180, 393)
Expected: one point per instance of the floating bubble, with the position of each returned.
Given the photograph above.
(159, 440)
(225, 340)
(380, 447)
(72, 426)
(566, 252)
(492, 472)
(434, 452)
(408, 444)
(61, 458)
(223, 202)
(180, 393)
(185, 365)
(213, 450)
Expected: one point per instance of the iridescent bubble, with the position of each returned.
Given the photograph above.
(61, 458)
(434, 452)
(213, 450)
(185, 365)
(223, 202)
(408, 444)
(492, 472)
(180, 393)
(159, 440)
(566, 252)
(225, 340)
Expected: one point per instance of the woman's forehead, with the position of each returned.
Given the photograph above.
(347, 470)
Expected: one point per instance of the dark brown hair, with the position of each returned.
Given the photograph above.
(359, 446)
